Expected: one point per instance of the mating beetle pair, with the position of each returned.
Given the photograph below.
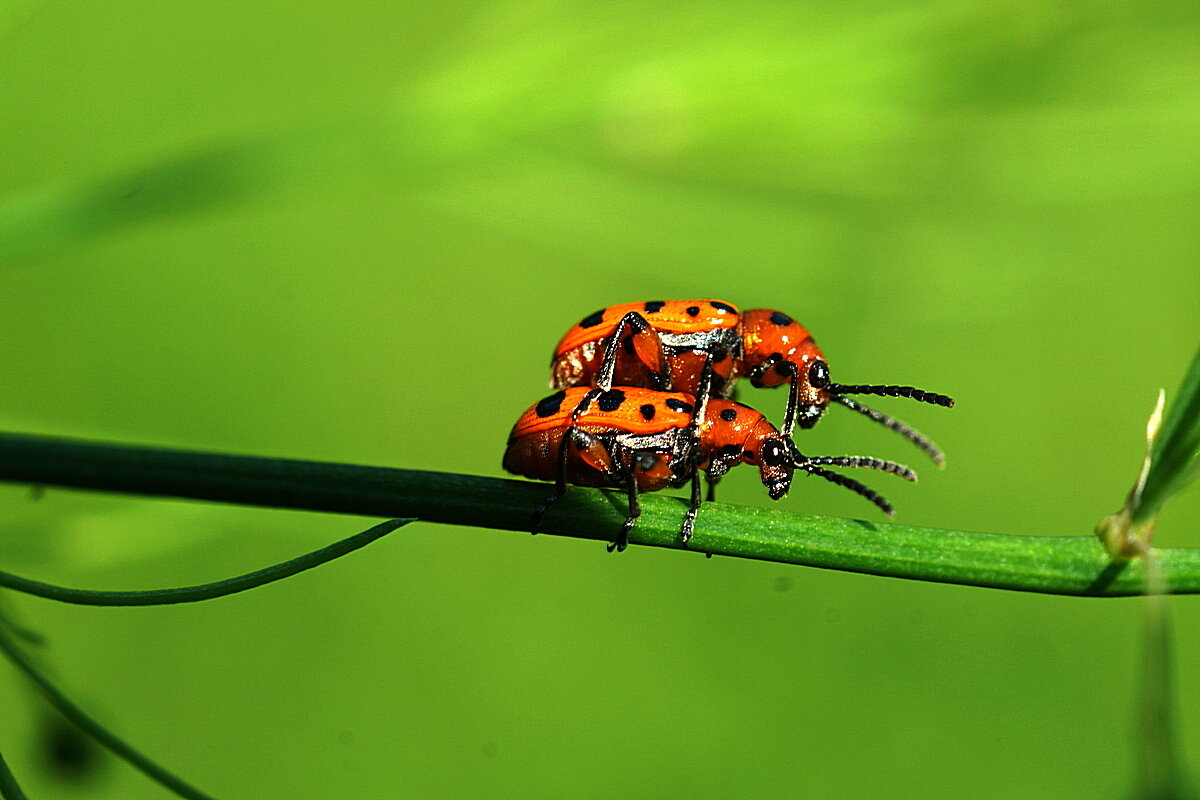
(643, 405)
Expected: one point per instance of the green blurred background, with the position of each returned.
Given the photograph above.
(355, 232)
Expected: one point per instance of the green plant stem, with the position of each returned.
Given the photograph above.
(9, 790)
(205, 591)
(1075, 565)
(94, 729)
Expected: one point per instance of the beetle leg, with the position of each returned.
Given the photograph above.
(689, 519)
(591, 451)
(635, 511)
(704, 389)
(789, 416)
(560, 483)
(583, 441)
(645, 342)
(584, 404)
(712, 482)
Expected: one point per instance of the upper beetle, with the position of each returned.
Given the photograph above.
(667, 345)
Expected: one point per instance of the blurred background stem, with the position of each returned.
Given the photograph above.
(1161, 766)
(9, 789)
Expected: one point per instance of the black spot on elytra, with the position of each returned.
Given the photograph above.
(730, 450)
(680, 406)
(592, 319)
(717, 304)
(729, 415)
(611, 400)
(693, 311)
(647, 411)
(780, 318)
(550, 405)
(654, 306)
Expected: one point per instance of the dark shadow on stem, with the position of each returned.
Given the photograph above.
(1106, 577)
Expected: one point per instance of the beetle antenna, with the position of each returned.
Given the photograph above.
(920, 395)
(852, 485)
(900, 427)
(866, 462)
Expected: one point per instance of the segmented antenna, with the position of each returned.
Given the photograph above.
(866, 462)
(913, 435)
(852, 485)
(920, 395)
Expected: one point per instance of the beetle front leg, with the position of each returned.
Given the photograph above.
(560, 482)
(789, 416)
(711, 494)
(591, 451)
(689, 519)
(694, 426)
(704, 389)
(635, 511)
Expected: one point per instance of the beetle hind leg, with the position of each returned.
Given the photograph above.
(638, 337)
(689, 519)
(711, 483)
(590, 450)
(635, 511)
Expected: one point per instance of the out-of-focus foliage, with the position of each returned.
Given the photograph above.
(355, 233)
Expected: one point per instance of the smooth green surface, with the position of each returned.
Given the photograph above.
(1056, 565)
(354, 234)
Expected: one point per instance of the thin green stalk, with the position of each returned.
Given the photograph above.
(1172, 459)
(1057, 565)
(94, 729)
(9, 790)
(205, 591)
(1175, 454)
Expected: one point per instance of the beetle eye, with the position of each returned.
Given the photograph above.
(773, 453)
(818, 375)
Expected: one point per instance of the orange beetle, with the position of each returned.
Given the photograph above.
(644, 440)
(667, 344)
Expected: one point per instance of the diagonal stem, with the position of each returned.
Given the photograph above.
(204, 591)
(93, 728)
(9, 789)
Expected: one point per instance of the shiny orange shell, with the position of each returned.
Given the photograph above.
(621, 409)
(534, 445)
(665, 316)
